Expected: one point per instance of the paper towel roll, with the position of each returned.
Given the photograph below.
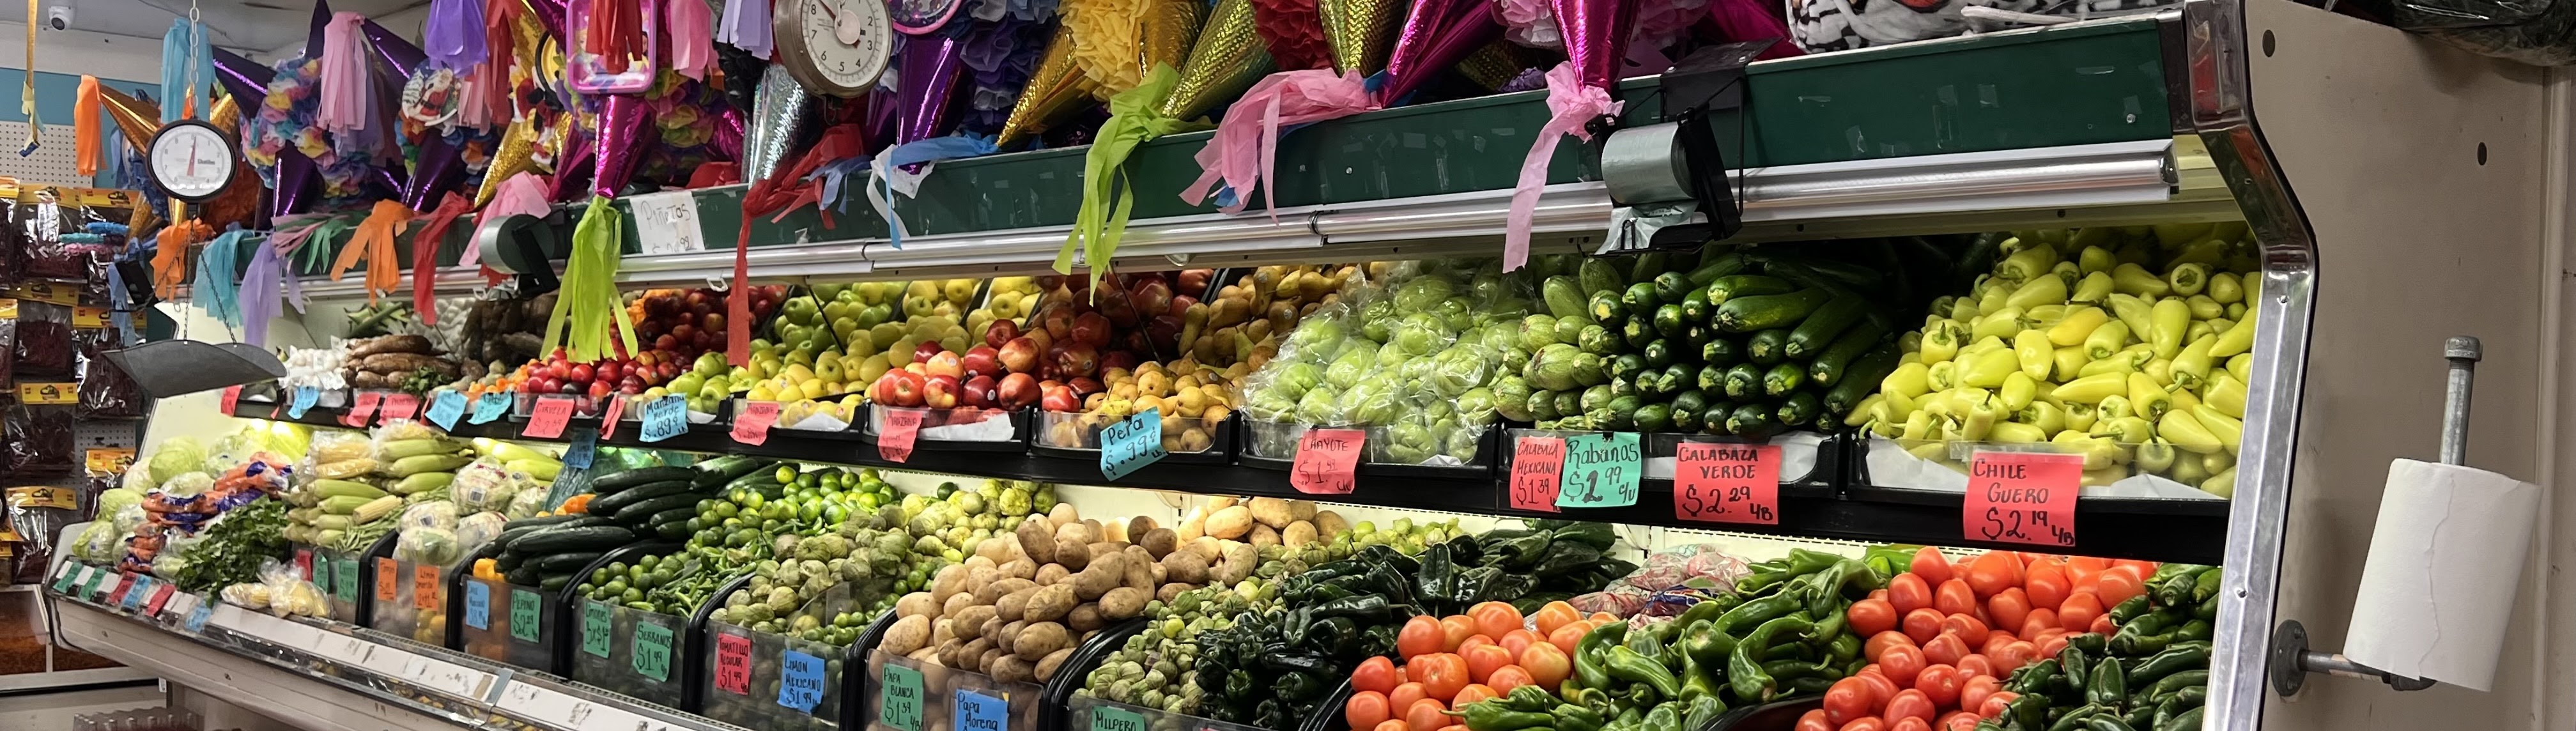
(2445, 560)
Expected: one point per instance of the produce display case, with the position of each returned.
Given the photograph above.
(398, 607)
(1093, 714)
(336, 573)
(959, 430)
(911, 694)
(1075, 435)
(517, 625)
(1273, 445)
(632, 652)
(1896, 469)
(770, 681)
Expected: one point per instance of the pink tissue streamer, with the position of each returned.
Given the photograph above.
(1571, 105)
(1245, 148)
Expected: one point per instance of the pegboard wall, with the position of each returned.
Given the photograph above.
(50, 164)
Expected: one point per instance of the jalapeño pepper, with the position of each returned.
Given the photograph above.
(2109, 685)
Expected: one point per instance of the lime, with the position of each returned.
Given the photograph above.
(786, 474)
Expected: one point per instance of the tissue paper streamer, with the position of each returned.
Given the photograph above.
(2445, 559)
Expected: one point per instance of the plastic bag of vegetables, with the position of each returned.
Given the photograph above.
(174, 456)
(483, 486)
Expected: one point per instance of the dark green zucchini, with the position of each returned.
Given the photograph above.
(610, 504)
(615, 481)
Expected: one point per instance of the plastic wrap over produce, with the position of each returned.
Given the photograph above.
(1670, 581)
(1418, 352)
(2537, 32)
(1820, 26)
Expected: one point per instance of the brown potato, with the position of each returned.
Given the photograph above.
(1052, 574)
(1270, 511)
(906, 635)
(1098, 579)
(1014, 605)
(1012, 669)
(1297, 534)
(1262, 535)
(948, 582)
(1085, 617)
(1186, 567)
(1139, 575)
(1048, 665)
(916, 604)
(994, 592)
(1301, 510)
(1019, 568)
(1140, 525)
(1125, 602)
(1037, 539)
(1230, 523)
(957, 603)
(1071, 555)
(1038, 640)
(975, 616)
(1050, 603)
(1172, 592)
(1329, 524)
(1160, 542)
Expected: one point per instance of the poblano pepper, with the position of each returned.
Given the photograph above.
(1698, 712)
(1665, 717)
(1363, 608)
(1570, 717)
(1591, 654)
(1753, 613)
(1705, 645)
(1629, 665)
(1491, 716)
(1535, 699)
(1743, 668)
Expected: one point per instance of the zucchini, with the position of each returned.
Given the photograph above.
(762, 480)
(1597, 276)
(1721, 352)
(1646, 266)
(1729, 287)
(1830, 364)
(1801, 409)
(1813, 334)
(1712, 420)
(728, 468)
(560, 540)
(674, 515)
(603, 485)
(1767, 347)
(1722, 265)
(1865, 374)
(562, 563)
(1563, 297)
(1763, 312)
(634, 514)
(1753, 420)
(1743, 380)
(1783, 378)
(609, 504)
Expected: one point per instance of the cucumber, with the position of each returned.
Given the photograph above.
(615, 481)
(1729, 287)
(539, 522)
(1753, 420)
(1597, 276)
(1783, 378)
(1829, 366)
(674, 515)
(555, 583)
(512, 531)
(725, 469)
(1801, 409)
(508, 561)
(1813, 334)
(1767, 347)
(522, 576)
(1865, 373)
(560, 540)
(1763, 312)
(610, 504)
(763, 480)
(562, 563)
(635, 514)
(1564, 298)
(673, 531)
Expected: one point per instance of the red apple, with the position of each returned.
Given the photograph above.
(1152, 298)
(1181, 305)
(1020, 355)
(608, 370)
(979, 392)
(1043, 341)
(1085, 386)
(981, 360)
(1164, 332)
(1017, 390)
(1061, 399)
(1058, 320)
(1001, 331)
(1092, 329)
(944, 363)
(1196, 280)
(1119, 359)
(899, 388)
(581, 372)
(601, 388)
(939, 392)
(1077, 360)
(926, 349)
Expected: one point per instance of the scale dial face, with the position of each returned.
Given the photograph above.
(835, 47)
(192, 160)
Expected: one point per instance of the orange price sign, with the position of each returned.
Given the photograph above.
(386, 581)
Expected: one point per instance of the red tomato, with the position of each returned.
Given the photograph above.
(1880, 688)
(2039, 621)
(1472, 642)
(2049, 647)
(2077, 614)
(2046, 583)
(1901, 664)
(1392, 724)
(1969, 629)
(2013, 655)
(1454, 727)
(1421, 636)
(1425, 715)
(1377, 674)
(1495, 619)
(1909, 724)
(1931, 565)
(2117, 584)
(1472, 693)
(1555, 614)
(2102, 625)
(1483, 660)
(1972, 694)
(1921, 624)
(1995, 642)
(1454, 631)
(1911, 703)
(1847, 699)
(1442, 675)
(1865, 723)
(2081, 573)
(2009, 607)
(1940, 683)
(1995, 703)
(1994, 572)
(1404, 695)
(1907, 592)
(1518, 640)
(1871, 616)
(1944, 650)
(1956, 721)
(1547, 665)
(1366, 710)
(1814, 720)
(1878, 594)
(1880, 642)
(1508, 677)
(2136, 567)
(1954, 597)
(1977, 666)
(1568, 635)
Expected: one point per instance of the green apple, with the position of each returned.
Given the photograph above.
(837, 312)
(709, 364)
(828, 368)
(830, 291)
(884, 334)
(800, 310)
(688, 382)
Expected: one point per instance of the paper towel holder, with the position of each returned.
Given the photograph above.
(2291, 658)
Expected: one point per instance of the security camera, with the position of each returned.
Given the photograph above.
(59, 17)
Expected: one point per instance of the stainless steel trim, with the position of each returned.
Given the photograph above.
(2214, 79)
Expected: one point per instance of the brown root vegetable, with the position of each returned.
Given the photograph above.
(1236, 565)
(1099, 579)
(990, 660)
(1262, 535)
(1297, 534)
(1010, 631)
(1072, 556)
(1172, 592)
(1160, 542)
(993, 592)
(906, 635)
(1054, 661)
(1014, 669)
(1139, 575)
(942, 630)
(1125, 602)
(1052, 574)
(996, 549)
(1037, 539)
(916, 604)
(1301, 510)
(1191, 527)
(1014, 605)
(1085, 617)
(948, 582)
(1186, 567)
(1020, 568)
(1040, 639)
(956, 603)
(1230, 523)
(1064, 513)
(1139, 526)
(1329, 524)
(970, 654)
(1270, 511)
(1050, 603)
(976, 616)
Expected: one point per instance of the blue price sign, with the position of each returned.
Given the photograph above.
(665, 418)
(979, 712)
(478, 605)
(585, 446)
(197, 617)
(490, 408)
(134, 595)
(305, 397)
(1130, 444)
(800, 681)
(446, 408)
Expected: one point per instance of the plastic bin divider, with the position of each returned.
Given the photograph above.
(854, 672)
(1069, 677)
(456, 593)
(366, 593)
(1778, 714)
(693, 694)
(1328, 716)
(567, 601)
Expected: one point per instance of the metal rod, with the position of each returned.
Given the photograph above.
(2463, 352)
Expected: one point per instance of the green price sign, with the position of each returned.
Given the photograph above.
(344, 580)
(594, 628)
(652, 650)
(899, 698)
(1106, 717)
(525, 609)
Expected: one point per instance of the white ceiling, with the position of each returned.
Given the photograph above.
(252, 26)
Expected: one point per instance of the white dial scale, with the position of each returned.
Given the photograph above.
(836, 47)
(192, 160)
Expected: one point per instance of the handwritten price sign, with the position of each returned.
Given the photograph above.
(1727, 483)
(2022, 497)
(1326, 461)
(733, 664)
(1601, 471)
(1538, 470)
(897, 433)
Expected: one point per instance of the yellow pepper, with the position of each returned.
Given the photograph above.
(2048, 417)
(1980, 421)
(1963, 310)
(2094, 259)
(2043, 317)
(1935, 451)
(2091, 237)
(2106, 365)
(2124, 430)
(2236, 340)
(2138, 314)
(2187, 471)
(1860, 412)
(1981, 347)
(2204, 251)
(2168, 319)
(2013, 432)
(2187, 279)
(2227, 430)
(2106, 339)
(2226, 288)
(2227, 395)
(2199, 329)
(2115, 407)
(2191, 366)
(2092, 288)
(1917, 426)
(2067, 272)
(2000, 323)
(2187, 434)
(2099, 453)
(2148, 397)
(2217, 462)
(1941, 341)
(2203, 308)
(2235, 311)
(2136, 281)
(1909, 344)
(2070, 360)
(2184, 399)
(2079, 415)
(1989, 369)
(2253, 284)
(2222, 484)
(2018, 390)
(2038, 291)
(1907, 379)
(2079, 321)
(2104, 477)
(1943, 376)
(2027, 264)
(1993, 296)
(2240, 365)
(2154, 456)
(2031, 348)
(2092, 389)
